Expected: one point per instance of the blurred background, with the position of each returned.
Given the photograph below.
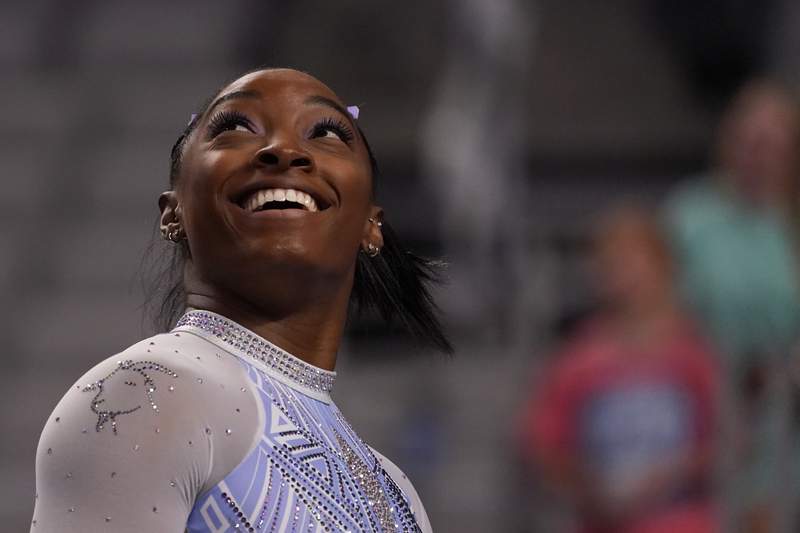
(614, 186)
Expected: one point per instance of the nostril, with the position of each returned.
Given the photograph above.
(267, 157)
(300, 162)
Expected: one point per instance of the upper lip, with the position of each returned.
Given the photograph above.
(280, 182)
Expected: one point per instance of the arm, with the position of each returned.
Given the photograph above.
(133, 444)
(109, 461)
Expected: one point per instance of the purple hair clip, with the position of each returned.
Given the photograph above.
(191, 118)
(354, 111)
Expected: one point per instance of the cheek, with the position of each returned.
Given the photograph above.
(205, 214)
(201, 185)
(344, 230)
(212, 168)
(354, 182)
(355, 208)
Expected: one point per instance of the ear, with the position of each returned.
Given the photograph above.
(372, 229)
(170, 212)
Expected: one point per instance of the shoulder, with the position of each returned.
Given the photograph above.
(694, 190)
(169, 413)
(405, 485)
(156, 379)
(694, 204)
(586, 351)
(173, 382)
(696, 353)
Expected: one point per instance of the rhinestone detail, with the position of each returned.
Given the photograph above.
(367, 479)
(260, 349)
(241, 521)
(144, 369)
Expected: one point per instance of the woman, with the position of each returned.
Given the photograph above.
(624, 422)
(226, 423)
(735, 230)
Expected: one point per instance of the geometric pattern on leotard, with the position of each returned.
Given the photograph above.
(299, 477)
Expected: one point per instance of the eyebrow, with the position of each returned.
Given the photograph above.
(233, 96)
(311, 100)
(327, 102)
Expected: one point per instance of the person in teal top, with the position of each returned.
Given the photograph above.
(739, 267)
(734, 233)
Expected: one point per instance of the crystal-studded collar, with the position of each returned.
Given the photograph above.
(242, 341)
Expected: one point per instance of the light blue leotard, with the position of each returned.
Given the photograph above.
(211, 428)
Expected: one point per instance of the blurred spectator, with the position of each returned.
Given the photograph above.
(732, 227)
(734, 238)
(624, 420)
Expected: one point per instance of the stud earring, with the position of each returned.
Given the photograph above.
(376, 222)
(173, 235)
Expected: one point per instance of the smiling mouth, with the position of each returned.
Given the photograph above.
(278, 199)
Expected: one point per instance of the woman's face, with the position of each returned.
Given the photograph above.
(758, 146)
(275, 188)
(632, 262)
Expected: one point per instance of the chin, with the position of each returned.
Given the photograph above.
(293, 260)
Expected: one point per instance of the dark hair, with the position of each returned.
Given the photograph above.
(395, 284)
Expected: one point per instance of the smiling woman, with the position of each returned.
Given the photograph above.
(226, 422)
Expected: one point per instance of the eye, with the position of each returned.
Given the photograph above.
(332, 128)
(228, 121)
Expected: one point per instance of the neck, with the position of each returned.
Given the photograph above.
(310, 332)
(649, 319)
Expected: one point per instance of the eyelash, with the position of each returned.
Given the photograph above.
(336, 126)
(228, 120)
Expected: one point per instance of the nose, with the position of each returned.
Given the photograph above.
(282, 157)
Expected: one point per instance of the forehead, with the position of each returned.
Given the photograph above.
(281, 83)
(628, 226)
(767, 104)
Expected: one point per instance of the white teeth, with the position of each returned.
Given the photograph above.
(251, 203)
(263, 196)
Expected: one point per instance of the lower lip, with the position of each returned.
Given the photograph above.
(279, 214)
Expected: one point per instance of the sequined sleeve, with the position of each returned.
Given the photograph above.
(408, 489)
(141, 435)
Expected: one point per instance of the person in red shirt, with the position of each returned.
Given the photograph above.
(624, 420)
